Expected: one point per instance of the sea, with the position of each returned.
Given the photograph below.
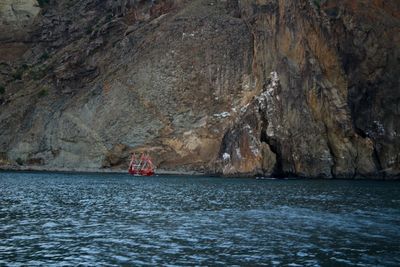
(97, 219)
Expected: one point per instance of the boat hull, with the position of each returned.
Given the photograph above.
(141, 172)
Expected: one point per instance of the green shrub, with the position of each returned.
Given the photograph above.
(70, 3)
(43, 93)
(42, 3)
(109, 17)
(17, 74)
(88, 29)
(38, 72)
(44, 56)
(317, 3)
(332, 12)
(19, 161)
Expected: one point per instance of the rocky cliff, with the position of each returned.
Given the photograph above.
(233, 87)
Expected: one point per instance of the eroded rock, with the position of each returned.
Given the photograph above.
(239, 87)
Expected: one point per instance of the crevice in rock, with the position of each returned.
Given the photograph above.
(223, 147)
(375, 156)
(248, 22)
(329, 145)
(275, 148)
(360, 132)
(377, 161)
(355, 170)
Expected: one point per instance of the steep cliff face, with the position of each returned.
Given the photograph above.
(306, 88)
(336, 63)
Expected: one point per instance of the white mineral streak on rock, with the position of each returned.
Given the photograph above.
(270, 131)
(184, 35)
(380, 128)
(244, 108)
(246, 82)
(239, 155)
(229, 169)
(274, 78)
(255, 150)
(222, 115)
(226, 156)
(269, 102)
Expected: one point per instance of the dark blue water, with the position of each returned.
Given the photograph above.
(104, 219)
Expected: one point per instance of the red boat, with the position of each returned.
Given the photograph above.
(142, 166)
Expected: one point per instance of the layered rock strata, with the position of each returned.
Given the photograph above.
(233, 87)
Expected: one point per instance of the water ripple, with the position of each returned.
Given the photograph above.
(58, 219)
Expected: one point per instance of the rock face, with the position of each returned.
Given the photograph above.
(16, 18)
(235, 87)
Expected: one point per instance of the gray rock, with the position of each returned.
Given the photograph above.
(238, 87)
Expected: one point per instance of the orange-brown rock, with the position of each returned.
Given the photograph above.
(235, 87)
